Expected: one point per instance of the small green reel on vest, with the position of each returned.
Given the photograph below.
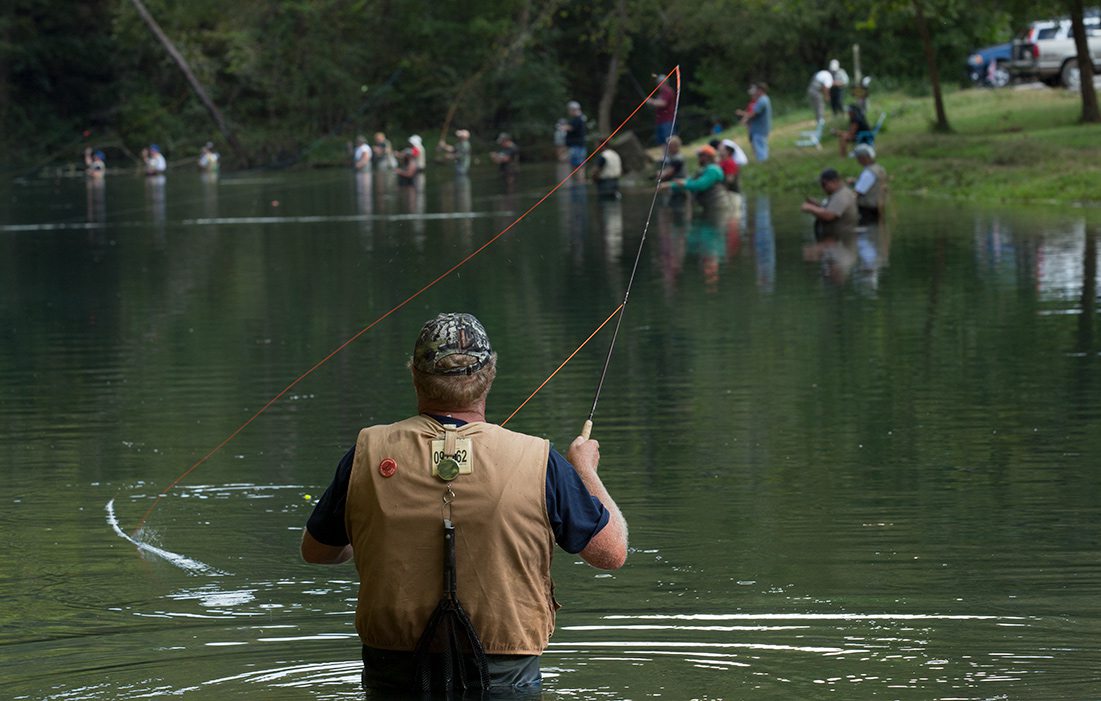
(447, 469)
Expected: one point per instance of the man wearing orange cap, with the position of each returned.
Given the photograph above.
(706, 184)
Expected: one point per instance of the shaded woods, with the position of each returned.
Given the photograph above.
(296, 80)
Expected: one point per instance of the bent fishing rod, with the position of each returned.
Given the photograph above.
(587, 428)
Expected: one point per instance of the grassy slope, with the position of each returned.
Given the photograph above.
(1007, 145)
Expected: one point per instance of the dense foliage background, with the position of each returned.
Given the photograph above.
(297, 79)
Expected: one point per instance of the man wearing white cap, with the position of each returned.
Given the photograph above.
(818, 93)
(728, 161)
(739, 155)
(870, 187)
(418, 152)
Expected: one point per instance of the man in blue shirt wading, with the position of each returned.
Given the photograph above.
(505, 499)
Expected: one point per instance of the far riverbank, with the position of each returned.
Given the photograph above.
(1021, 144)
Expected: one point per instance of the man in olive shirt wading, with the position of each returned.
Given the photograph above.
(838, 216)
(512, 498)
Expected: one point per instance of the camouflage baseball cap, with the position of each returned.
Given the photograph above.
(450, 334)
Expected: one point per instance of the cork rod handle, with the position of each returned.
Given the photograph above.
(587, 429)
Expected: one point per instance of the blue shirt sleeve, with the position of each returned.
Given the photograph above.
(326, 523)
(575, 514)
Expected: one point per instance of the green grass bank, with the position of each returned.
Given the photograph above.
(1022, 144)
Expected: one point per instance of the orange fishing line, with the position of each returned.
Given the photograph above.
(407, 300)
(551, 376)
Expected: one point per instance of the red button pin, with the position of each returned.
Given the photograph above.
(387, 467)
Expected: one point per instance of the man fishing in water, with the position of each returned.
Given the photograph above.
(444, 503)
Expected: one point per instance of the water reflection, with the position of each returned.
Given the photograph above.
(208, 182)
(456, 196)
(708, 234)
(96, 199)
(898, 489)
(672, 223)
(576, 204)
(414, 202)
(863, 252)
(1059, 262)
(1088, 298)
(611, 225)
(873, 251)
(155, 200)
(365, 207)
(764, 245)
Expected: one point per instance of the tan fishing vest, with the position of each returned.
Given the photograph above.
(874, 196)
(504, 539)
(613, 165)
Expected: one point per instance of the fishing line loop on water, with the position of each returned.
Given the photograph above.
(425, 288)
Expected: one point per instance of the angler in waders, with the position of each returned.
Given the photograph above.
(707, 185)
(452, 522)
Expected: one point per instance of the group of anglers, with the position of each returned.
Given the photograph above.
(571, 141)
(849, 203)
(410, 162)
(451, 520)
(153, 162)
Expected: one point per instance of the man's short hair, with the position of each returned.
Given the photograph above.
(828, 175)
(454, 390)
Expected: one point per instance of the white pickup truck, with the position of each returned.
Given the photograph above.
(1045, 51)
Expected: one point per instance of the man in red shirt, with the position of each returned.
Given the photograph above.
(729, 165)
(664, 103)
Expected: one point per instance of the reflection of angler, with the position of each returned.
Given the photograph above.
(611, 214)
(764, 244)
(96, 200)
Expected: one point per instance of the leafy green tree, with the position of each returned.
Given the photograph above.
(56, 75)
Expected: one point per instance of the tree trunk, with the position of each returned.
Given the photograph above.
(931, 62)
(527, 25)
(1090, 113)
(616, 32)
(607, 97)
(5, 40)
(192, 80)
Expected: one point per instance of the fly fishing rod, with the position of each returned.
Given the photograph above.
(588, 427)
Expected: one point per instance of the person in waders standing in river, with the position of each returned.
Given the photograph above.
(445, 503)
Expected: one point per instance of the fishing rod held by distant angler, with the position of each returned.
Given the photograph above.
(587, 427)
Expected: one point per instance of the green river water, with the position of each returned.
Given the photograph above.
(873, 476)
